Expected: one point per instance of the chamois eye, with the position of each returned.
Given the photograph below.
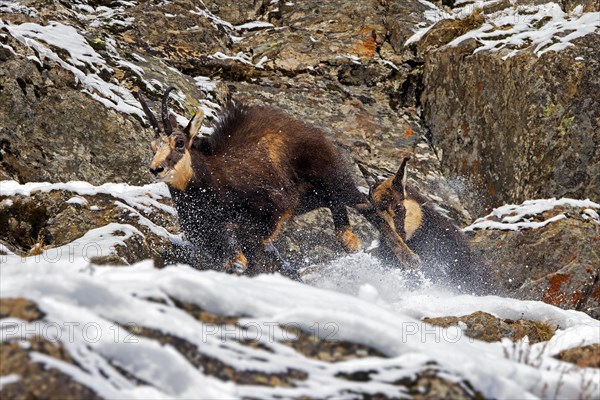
(179, 144)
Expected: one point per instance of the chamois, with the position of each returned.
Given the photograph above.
(234, 189)
(418, 235)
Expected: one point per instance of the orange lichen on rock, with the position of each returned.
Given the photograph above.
(555, 294)
(367, 44)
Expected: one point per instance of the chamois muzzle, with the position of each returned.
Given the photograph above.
(157, 170)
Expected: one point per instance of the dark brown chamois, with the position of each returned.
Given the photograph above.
(234, 189)
(418, 235)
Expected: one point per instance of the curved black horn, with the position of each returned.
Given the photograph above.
(165, 111)
(149, 114)
(370, 178)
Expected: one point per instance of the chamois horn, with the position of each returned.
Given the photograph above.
(165, 111)
(149, 114)
(399, 181)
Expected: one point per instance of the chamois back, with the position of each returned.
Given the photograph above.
(234, 189)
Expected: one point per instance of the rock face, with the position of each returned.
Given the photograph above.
(523, 127)
(490, 120)
(51, 131)
(534, 263)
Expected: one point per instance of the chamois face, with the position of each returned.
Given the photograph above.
(172, 161)
(401, 213)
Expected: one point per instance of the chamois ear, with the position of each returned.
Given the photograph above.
(193, 127)
(173, 120)
(399, 182)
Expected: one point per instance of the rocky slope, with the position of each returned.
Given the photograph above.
(496, 100)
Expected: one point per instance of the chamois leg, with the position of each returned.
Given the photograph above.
(343, 230)
(237, 261)
(285, 267)
(281, 220)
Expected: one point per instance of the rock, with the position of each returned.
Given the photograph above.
(582, 356)
(51, 131)
(486, 327)
(178, 32)
(516, 128)
(550, 263)
(587, 5)
(429, 385)
(19, 308)
(446, 30)
(52, 223)
(34, 379)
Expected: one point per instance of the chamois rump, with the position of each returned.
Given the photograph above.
(418, 236)
(234, 189)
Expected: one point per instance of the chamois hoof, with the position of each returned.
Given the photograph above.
(238, 268)
(286, 269)
(348, 239)
(238, 264)
(414, 261)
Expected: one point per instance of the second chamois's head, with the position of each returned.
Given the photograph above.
(172, 163)
(394, 205)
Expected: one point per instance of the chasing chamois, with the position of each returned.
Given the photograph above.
(234, 189)
(418, 236)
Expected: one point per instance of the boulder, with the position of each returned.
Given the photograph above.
(520, 127)
(35, 379)
(484, 326)
(582, 356)
(59, 223)
(544, 250)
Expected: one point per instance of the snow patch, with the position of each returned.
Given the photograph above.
(540, 27)
(253, 25)
(8, 379)
(81, 56)
(141, 197)
(517, 217)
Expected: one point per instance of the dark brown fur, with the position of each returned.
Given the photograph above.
(444, 253)
(259, 167)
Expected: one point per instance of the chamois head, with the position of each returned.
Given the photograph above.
(172, 161)
(394, 205)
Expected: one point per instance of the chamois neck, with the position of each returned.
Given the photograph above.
(201, 165)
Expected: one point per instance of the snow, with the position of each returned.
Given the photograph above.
(77, 200)
(13, 7)
(8, 379)
(260, 63)
(95, 304)
(64, 37)
(541, 27)
(354, 298)
(517, 217)
(515, 28)
(240, 56)
(143, 198)
(253, 25)
(81, 56)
